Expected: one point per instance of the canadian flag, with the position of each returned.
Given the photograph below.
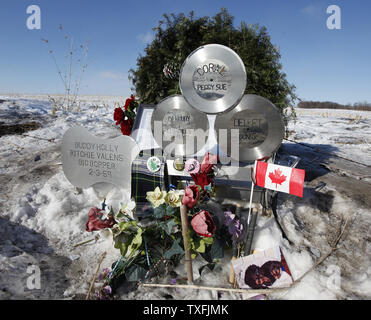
(279, 178)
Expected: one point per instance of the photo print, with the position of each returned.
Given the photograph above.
(263, 270)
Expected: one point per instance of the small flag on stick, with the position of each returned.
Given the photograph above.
(279, 178)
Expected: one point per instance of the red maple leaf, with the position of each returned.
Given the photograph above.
(277, 177)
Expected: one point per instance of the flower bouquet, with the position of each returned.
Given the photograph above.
(155, 248)
(125, 116)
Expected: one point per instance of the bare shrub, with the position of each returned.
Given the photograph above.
(70, 73)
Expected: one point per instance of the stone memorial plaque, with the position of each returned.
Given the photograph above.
(260, 128)
(213, 78)
(87, 159)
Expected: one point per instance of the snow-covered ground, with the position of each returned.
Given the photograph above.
(42, 216)
(347, 133)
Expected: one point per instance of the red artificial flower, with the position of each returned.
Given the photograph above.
(202, 179)
(128, 101)
(118, 115)
(208, 162)
(203, 224)
(126, 127)
(205, 176)
(191, 196)
(96, 223)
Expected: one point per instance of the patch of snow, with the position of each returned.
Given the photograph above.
(43, 217)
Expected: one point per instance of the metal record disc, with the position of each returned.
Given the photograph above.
(178, 128)
(213, 78)
(260, 129)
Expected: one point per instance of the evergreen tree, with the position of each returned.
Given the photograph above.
(178, 35)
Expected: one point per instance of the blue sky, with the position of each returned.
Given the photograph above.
(333, 65)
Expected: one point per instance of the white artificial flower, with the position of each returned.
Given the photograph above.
(173, 198)
(156, 197)
(128, 209)
(106, 211)
(131, 205)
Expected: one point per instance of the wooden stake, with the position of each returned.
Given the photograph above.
(232, 276)
(95, 275)
(187, 252)
(184, 286)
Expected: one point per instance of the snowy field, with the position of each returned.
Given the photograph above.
(42, 216)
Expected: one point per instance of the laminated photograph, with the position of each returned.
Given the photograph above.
(263, 270)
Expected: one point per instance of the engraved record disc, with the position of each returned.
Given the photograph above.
(259, 125)
(178, 128)
(213, 78)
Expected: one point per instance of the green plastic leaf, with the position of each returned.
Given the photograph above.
(159, 212)
(129, 238)
(208, 240)
(121, 245)
(175, 249)
(201, 246)
(168, 226)
(177, 220)
(125, 225)
(135, 273)
(129, 113)
(170, 211)
(216, 251)
(136, 242)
